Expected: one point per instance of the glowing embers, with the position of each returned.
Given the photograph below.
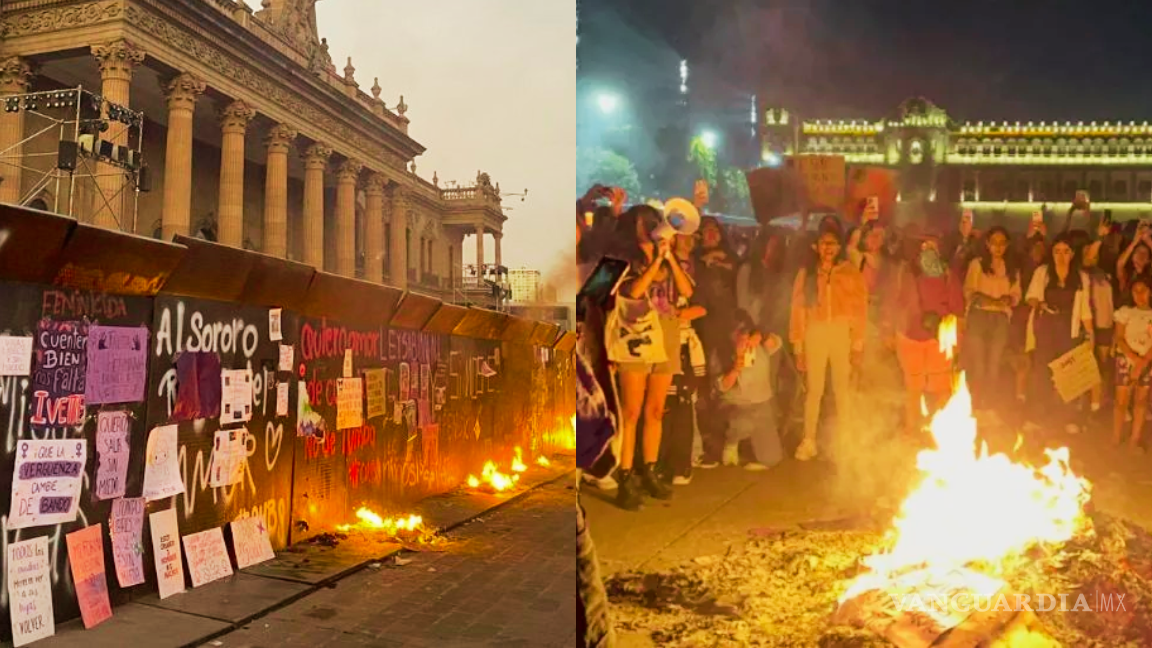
(402, 526)
(492, 480)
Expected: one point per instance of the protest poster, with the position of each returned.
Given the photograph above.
(61, 358)
(823, 180)
(112, 433)
(250, 541)
(166, 551)
(349, 403)
(868, 189)
(30, 591)
(374, 389)
(282, 399)
(347, 363)
(161, 465)
(46, 482)
(286, 357)
(275, 332)
(425, 380)
(207, 556)
(1075, 372)
(229, 451)
(86, 559)
(236, 396)
(15, 355)
(127, 528)
(198, 385)
(117, 364)
(405, 377)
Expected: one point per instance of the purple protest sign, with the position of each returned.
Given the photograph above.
(117, 364)
(60, 359)
(112, 433)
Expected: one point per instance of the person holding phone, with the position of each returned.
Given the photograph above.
(1136, 258)
(991, 292)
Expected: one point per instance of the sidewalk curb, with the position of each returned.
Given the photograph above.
(331, 580)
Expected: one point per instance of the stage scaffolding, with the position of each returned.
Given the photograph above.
(93, 139)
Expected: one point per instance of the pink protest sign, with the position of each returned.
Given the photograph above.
(117, 364)
(127, 527)
(86, 558)
(112, 430)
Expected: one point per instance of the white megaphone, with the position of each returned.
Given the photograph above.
(680, 217)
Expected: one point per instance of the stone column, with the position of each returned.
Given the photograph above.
(421, 259)
(398, 262)
(182, 94)
(374, 228)
(315, 162)
(15, 78)
(117, 60)
(279, 142)
(230, 211)
(480, 250)
(347, 178)
(496, 236)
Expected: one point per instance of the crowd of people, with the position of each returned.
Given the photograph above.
(714, 357)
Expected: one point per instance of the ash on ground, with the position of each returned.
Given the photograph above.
(782, 590)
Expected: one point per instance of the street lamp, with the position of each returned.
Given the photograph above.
(709, 138)
(607, 103)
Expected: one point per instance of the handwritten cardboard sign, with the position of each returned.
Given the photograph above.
(112, 434)
(46, 482)
(1075, 372)
(282, 399)
(117, 364)
(349, 403)
(207, 556)
(236, 399)
(127, 528)
(166, 550)
(229, 450)
(30, 591)
(374, 388)
(61, 360)
(86, 558)
(15, 355)
(161, 465)
(251, 542)
(823, 177)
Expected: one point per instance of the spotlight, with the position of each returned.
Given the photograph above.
(12, 105)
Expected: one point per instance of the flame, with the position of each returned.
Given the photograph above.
(492, 477)
(518, 461)
(971, 507)
(543, 461)
(393, 526)
(948, 336)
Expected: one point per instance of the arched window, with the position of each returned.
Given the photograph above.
(39, 203)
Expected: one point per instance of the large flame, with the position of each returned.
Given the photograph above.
(971, 507)
(948, 335)
(493, 479)
(393, 526)
(518, 461)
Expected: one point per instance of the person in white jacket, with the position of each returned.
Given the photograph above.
(1061, 320)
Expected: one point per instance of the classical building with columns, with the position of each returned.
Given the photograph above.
(996, 168)
(250, 136)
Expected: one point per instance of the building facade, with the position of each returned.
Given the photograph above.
(997, 169)
(244, 132)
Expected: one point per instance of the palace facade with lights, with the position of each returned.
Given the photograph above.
(204, 117)
(997, 169)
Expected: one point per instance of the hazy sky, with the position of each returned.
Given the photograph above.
(491, 86)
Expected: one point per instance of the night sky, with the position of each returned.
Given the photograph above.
(979, 60)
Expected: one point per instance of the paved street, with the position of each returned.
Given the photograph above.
(506, 580)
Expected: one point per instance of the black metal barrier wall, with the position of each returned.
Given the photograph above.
(462, 386)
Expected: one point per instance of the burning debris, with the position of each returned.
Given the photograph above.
(784, 590)
(492, 480)
(518, 461)
(543, 462)
(391, 526)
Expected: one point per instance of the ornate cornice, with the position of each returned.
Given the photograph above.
(280, 138)
(183, 90)
(236, 116)
(15, 75)
(60, 18)
(118, 58)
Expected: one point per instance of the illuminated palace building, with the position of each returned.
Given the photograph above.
(209, 118)
(997, 169)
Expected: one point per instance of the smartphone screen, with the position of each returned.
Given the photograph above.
(602, 283)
